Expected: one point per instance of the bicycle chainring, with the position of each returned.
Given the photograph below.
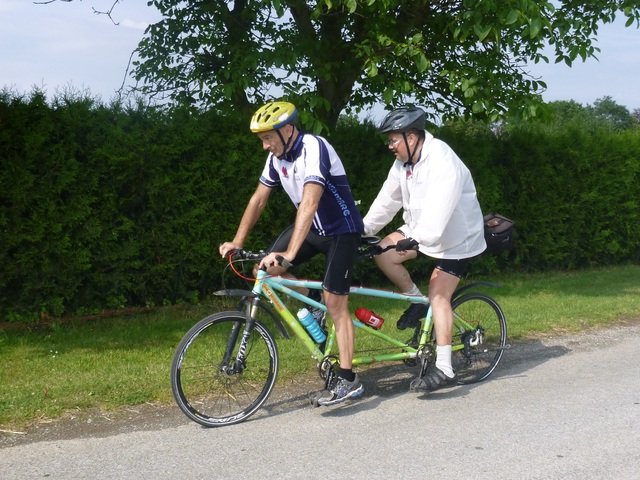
(326, 367)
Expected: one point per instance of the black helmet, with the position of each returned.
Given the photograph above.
(403, 119)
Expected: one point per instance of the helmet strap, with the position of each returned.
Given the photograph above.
(409, 152)
(286, 144)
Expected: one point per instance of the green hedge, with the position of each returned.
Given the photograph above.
(107, 206)
(576, 196)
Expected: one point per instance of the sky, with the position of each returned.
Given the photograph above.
(65, 45)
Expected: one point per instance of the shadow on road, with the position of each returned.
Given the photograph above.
(385, 381)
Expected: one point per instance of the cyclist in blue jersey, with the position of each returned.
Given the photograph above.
(327, 221)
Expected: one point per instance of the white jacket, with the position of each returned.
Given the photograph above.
(441, 209)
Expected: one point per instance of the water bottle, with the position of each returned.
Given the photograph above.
(311, 325)
(369, 318)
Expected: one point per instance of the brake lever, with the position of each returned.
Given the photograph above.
(238, 252)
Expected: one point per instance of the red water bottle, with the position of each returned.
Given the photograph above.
(369, 318)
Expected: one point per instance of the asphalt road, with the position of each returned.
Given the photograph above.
(565, 407)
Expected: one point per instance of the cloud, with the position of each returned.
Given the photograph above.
(128, 23)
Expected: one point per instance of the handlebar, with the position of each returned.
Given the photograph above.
(259, 255)
(368, 249)
(247, 255)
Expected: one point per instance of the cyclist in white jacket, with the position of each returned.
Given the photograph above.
(442, 219)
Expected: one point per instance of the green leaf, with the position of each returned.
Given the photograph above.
(387, 95)
(512, 16)
(481, 31)
(422, 63)
(278, 8)
(536, 26)
(372, 69)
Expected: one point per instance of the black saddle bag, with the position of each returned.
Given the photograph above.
(498, 233)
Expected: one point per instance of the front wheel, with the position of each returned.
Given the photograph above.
(479, 336)
(211, 382)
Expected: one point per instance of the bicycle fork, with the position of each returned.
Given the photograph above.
(238, 365)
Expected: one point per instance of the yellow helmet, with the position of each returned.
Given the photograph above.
(272, 116)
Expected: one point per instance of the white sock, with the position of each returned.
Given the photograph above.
(443, 359)
(414, 291)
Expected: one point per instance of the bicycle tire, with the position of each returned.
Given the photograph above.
(201, 383)
(476, 362)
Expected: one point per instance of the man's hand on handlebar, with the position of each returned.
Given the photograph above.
(275, 259)
(227, 248)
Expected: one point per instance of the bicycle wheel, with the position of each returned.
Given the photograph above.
(481, 330)
(208, 383)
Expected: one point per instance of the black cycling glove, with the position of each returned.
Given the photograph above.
(406, 244)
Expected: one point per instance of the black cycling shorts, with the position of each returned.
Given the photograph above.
(457, 268)
(341, 252)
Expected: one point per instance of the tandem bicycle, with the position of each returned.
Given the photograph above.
(226, 365)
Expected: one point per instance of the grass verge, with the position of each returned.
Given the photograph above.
(124, 359)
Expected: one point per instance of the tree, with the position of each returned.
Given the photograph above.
(563, 112)
(454, 57)
(617, 116)
(605, 113)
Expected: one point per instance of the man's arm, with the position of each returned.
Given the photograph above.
(386, 204)
(306, 211)
(252, 213)
(304, 218)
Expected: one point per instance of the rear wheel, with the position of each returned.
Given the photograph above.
(479, 336)
(208, 382)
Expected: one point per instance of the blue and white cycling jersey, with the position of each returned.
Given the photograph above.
(313, 159)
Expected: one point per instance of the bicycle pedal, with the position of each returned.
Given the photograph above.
(314, 397)
(418, 385)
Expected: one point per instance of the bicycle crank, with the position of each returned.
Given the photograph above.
(426, 356)
(327, 371)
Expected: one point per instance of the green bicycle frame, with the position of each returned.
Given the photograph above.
(267, 286)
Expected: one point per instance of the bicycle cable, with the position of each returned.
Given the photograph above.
(236, 271)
